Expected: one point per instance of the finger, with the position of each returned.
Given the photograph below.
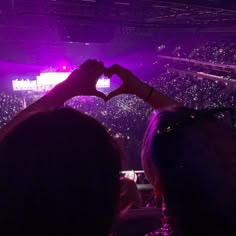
(97, 70)
(100, 95)
(111, 70)
(122, 73)
(98, 65)
(115, 93)
(86, 63)
(115, 69)
(95, 65)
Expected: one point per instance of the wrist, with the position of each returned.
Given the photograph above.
(149, 94)
(143, 90)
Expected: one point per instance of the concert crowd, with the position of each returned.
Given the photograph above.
(73, 165)
(126, 116)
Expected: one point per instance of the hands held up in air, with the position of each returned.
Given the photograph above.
(82, 81)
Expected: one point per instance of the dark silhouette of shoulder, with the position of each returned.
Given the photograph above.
(137, 222)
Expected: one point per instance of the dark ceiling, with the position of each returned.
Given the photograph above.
(39, 31)
(80, 20)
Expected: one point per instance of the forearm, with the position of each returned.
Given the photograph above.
(154, 97)
(50, 101)
(159, 100)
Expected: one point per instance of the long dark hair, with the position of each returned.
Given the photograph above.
(59, 175)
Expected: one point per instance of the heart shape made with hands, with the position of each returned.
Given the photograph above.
(114, 89)
(124, 80)
(91, 70)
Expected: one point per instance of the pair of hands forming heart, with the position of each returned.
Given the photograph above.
(82, 81)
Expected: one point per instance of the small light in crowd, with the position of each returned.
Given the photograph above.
(64, 67)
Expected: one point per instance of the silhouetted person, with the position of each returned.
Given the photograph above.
(189, 157)
(59, 168)
(59, 175)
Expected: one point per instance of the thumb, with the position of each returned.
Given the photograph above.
(100, 95)
(114, 93)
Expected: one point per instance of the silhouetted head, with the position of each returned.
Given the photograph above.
(190, 158)
(59, 175)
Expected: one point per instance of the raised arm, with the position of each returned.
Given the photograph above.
(132, 85)
(81, 82)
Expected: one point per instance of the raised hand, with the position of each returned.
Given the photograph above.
(131, 84)
(82, 81)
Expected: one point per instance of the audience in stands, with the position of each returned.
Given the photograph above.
(218, 51)
(126, 116)
(59, 170)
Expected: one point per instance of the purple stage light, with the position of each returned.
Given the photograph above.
(64, 67)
